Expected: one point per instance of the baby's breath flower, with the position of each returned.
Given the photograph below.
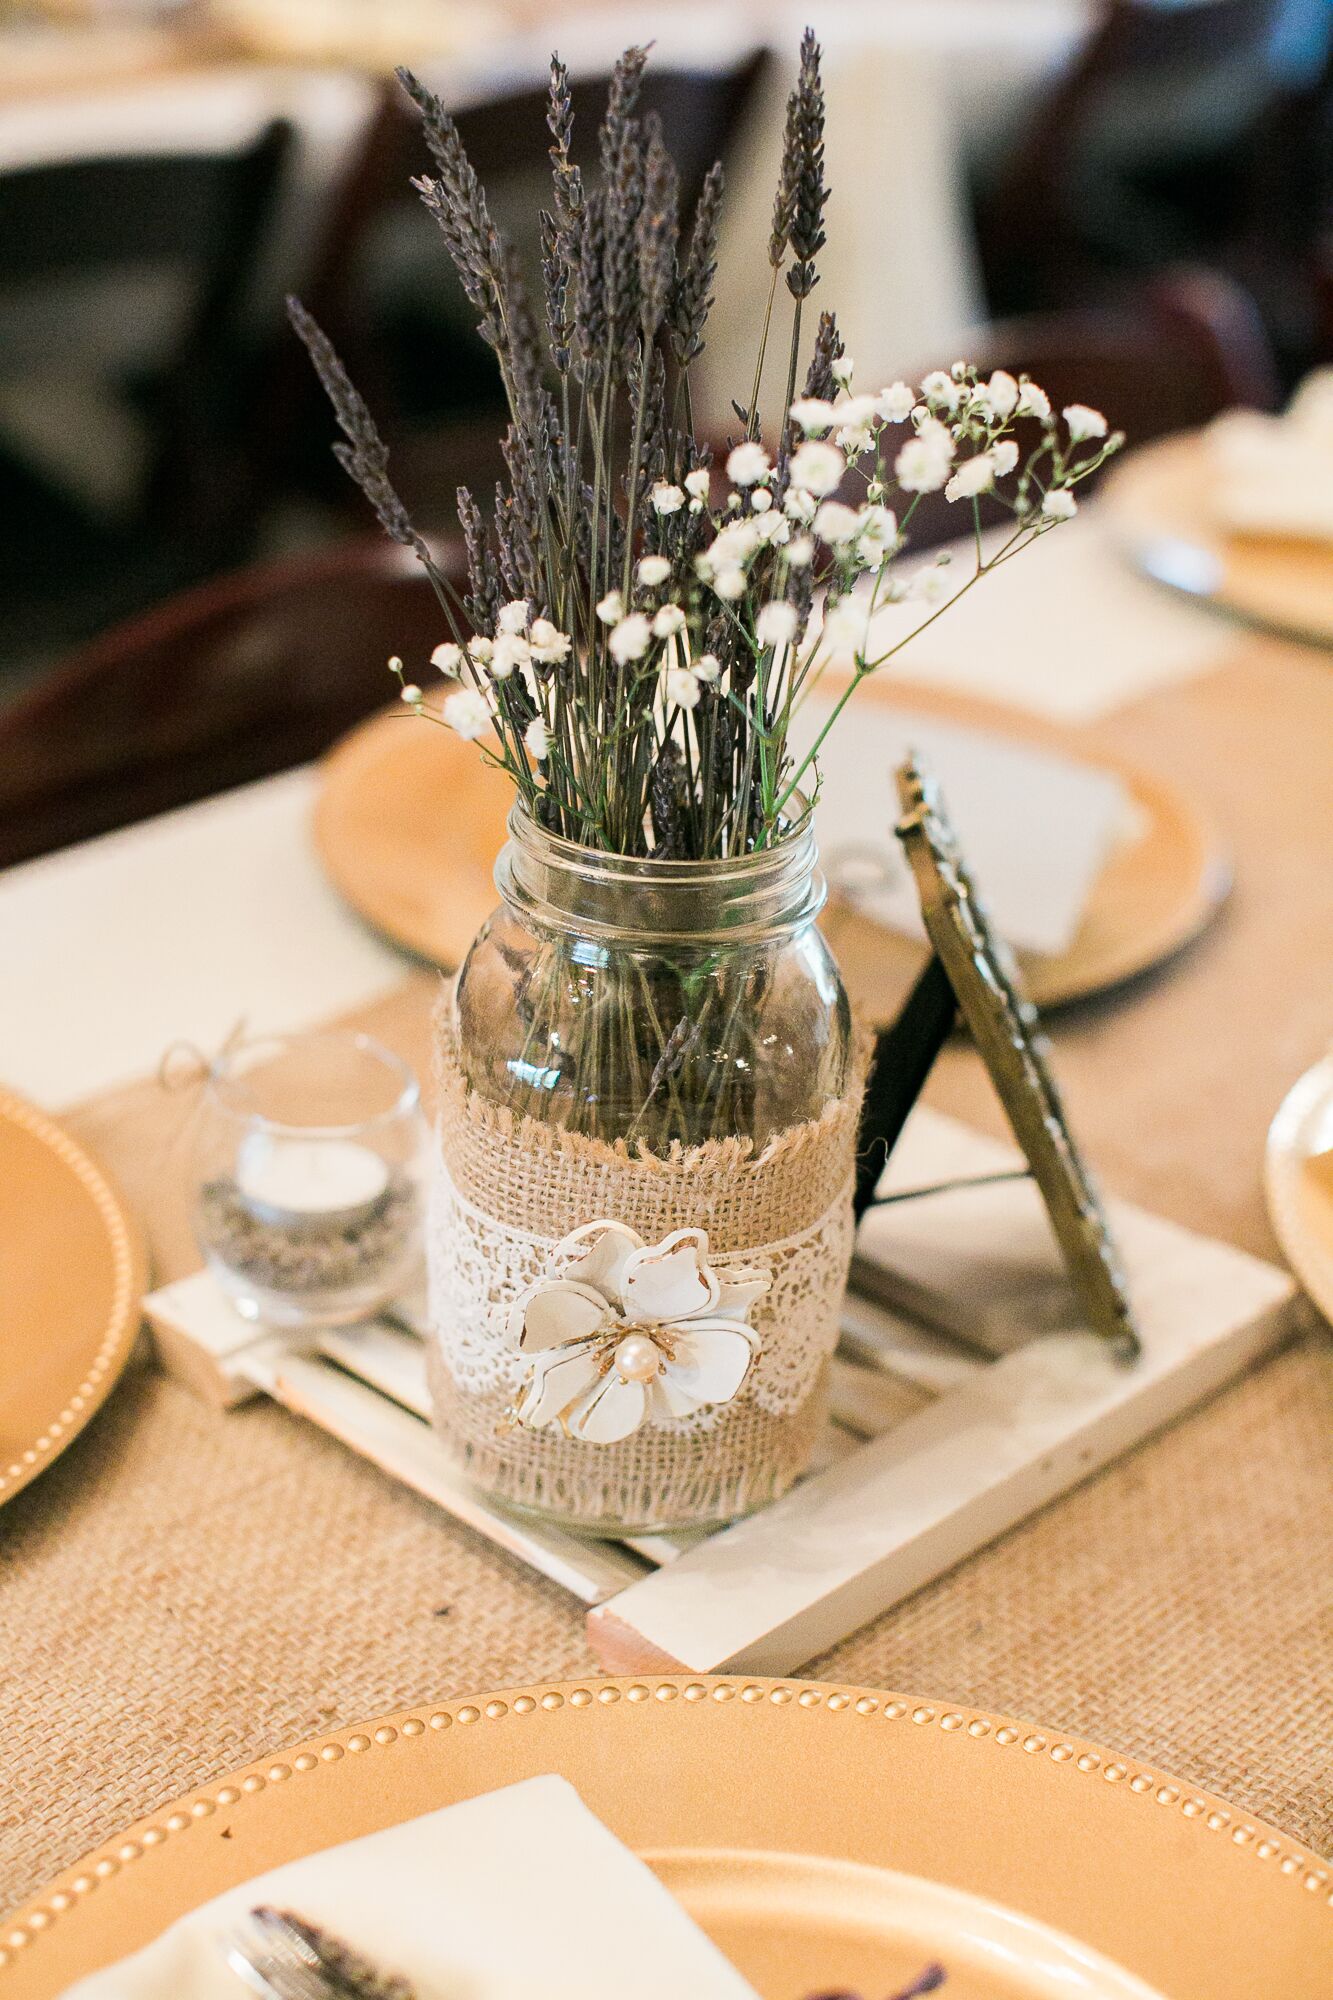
(847, 622)
(1002, 394)
(813, 415)
(857, 411)
(667, 499)
(548, 644)
(800, 553)
(669, 620)
(929, 586)
(513, 616)
(922, 466)
(895, 404)
(974, 475)
(394, 664)
(747, 464)
(682, 687)
(480, 649)
(449, 659)
(735, 543)
(776, 623)
(940, 391)
(1083, 423)
(772, 529)
(878, 530)
(707, 668)
(841, 368)
(411, 695)
(629, 639)
(1004, 457)
(1033, 402)
(799, 506)
(1059, 505)
(856, 439)
(817, 467)
(697, 482)
(535, 740)
(761, 500)
(730, 584)
(466, 711)
(653, 570)
(509, 651)
(611, 608)
(836, 523)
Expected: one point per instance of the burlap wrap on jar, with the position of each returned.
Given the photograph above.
(506, 1189)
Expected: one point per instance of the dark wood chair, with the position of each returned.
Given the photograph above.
(408, 339)
(230, 681)
(1168, 357)
(1136, 157)
(64, 569)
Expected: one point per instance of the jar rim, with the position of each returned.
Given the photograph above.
(714, 871)
(737, 899)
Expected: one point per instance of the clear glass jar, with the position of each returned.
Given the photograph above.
(308, 1165)
(655, 1001)
(646, 1060)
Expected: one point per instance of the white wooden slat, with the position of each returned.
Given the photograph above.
(381, 1354)
(879, 1337)
(401, 1445)
(774, 1590)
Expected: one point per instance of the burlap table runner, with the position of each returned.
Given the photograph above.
(185, 1590)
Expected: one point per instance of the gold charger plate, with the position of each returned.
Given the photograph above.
(1155, 503)
(826, 1838)
(72, 1273)
(409, 821)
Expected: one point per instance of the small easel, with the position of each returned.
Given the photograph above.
(970, 971)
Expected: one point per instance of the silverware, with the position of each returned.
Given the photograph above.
(282, 1957)
(273, 1964)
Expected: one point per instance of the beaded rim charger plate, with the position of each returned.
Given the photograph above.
(827, 1838)
(1156, 505)
(72, 1273)
(409, 821)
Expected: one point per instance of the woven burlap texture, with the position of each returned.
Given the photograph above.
(785, 1208)
(184, 1590)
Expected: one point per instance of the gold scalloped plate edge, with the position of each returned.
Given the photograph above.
(111, 1349)
(407, 823)
(1154, 503)
(1034, 1820)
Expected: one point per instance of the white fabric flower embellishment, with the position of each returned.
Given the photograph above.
(622, 1333)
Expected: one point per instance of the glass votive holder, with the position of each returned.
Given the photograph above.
(308, 1209)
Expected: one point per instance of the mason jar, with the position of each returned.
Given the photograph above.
(649, 1099)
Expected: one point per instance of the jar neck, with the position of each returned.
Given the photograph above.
(745, 899)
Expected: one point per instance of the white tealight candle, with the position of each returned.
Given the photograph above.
(294, 1182)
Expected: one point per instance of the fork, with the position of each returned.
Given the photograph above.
(275, 1961)
(283, 1957)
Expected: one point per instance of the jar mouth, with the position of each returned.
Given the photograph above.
(739, 897)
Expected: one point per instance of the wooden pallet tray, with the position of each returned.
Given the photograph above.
(963, 1398)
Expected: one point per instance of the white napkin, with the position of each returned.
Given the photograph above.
(1035, 826)
(519, 1893)
(1274, 475)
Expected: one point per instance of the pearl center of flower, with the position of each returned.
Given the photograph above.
(637, 1358)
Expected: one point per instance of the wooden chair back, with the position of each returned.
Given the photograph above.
(233, 680)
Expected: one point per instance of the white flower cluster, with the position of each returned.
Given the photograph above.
(958, 440)
(519, 644)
